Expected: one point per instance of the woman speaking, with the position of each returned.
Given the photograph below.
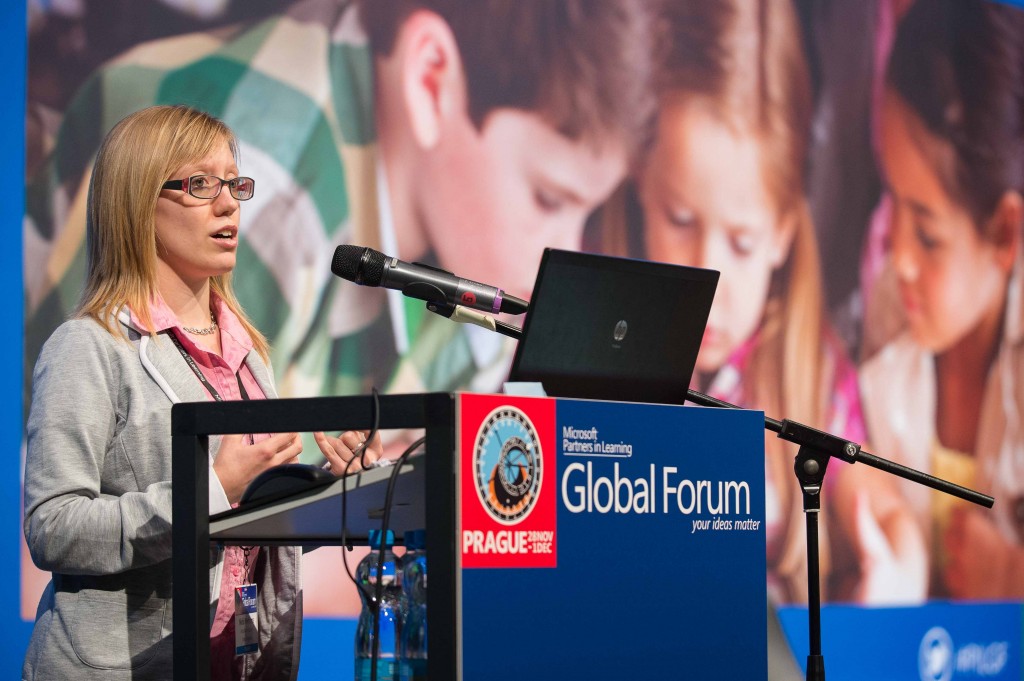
(158, 323)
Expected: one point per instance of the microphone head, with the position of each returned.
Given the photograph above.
(359, 264)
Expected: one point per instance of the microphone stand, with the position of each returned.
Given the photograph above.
(816, 448)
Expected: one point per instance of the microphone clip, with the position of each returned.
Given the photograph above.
(464, 315)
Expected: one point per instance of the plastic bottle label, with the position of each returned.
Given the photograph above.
(413, 670)
(385, 670)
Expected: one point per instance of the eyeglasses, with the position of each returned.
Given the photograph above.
(209, 186)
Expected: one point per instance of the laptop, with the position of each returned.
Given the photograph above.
(608, 328)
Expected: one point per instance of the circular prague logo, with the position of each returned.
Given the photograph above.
(508, 465)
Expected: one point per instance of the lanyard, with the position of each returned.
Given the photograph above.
(246, 550)
(199, 374)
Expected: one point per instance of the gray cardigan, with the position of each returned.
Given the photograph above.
(98, 512)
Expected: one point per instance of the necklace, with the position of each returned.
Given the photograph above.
(202, 332)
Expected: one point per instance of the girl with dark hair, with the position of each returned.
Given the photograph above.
(947, 395)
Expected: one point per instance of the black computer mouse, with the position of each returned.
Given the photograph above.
(284, 480)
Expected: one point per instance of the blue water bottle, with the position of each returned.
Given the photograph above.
(412, 551)
(413, 647)
(390, 608)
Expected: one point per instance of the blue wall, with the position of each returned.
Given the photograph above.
(12, 165)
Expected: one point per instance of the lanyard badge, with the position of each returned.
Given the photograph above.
(247, 628)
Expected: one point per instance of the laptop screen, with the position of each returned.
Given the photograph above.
(608, 328)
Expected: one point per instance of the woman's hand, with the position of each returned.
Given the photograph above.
(238, 462)
(340, 451)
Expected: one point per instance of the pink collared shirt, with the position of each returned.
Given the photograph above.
(220, 371)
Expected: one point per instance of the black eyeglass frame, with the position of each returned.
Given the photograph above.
(185, 186)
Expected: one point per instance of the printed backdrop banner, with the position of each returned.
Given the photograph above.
(822, 156)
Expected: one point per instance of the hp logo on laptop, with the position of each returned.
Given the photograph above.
(620, 330)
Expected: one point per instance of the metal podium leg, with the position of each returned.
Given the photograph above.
(190, 536)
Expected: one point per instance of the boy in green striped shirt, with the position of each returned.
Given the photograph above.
(469, 134)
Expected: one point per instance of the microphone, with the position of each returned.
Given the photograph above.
(368, 267)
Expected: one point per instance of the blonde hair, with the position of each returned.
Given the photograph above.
(755, 74)
(781, 110)
(745, 59)
(137, 156)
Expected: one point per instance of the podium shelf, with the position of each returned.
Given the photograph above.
(313, 517)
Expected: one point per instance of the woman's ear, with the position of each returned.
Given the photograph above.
(432, 79)
(1004, 230)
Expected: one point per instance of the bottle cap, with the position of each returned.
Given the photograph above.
(374, 539)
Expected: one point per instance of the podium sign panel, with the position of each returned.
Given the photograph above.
(566, 538)
(604, 540)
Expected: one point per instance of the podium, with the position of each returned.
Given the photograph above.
(564, 538)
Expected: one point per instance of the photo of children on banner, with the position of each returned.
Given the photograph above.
(470, 134)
